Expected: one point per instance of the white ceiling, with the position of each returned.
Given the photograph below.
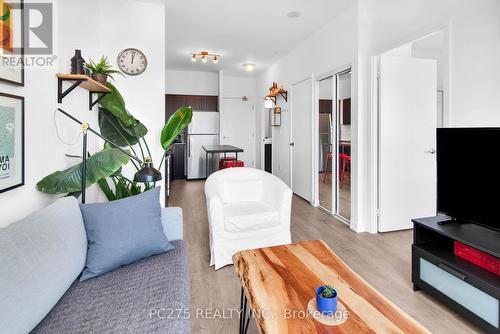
(433, 43)
(241, 32)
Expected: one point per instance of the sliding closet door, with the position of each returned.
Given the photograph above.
(302, 138)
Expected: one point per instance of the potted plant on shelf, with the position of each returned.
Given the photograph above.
(118, 125)
(102, 70)
(326, 299)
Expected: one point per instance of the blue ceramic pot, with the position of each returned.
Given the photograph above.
(326, 306)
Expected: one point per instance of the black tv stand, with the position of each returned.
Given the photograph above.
(470, 290)
(449, 221)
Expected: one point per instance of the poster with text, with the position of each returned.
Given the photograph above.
(11, 141)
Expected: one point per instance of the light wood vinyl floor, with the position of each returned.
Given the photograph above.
(382, 259)
(325, 196)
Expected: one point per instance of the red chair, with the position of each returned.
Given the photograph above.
(231, 164)
(222, 161)
(328, 157)
(345, 168)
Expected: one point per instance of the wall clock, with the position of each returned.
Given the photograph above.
(132, 61)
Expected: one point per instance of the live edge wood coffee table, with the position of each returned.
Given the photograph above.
(278, 283)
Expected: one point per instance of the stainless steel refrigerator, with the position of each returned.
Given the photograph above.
(202, 131)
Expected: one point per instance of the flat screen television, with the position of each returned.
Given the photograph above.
(468, 175)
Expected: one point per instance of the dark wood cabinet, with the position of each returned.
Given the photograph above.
(209, 103)
(194, 102)
(172, 103)
(325, 106)
(198, 103)
(345, 108)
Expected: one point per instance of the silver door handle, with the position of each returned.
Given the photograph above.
(431, 151)
(189, 148)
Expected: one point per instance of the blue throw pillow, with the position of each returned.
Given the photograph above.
(122, 232)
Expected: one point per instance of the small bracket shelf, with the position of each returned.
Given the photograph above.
(83, 81)
(273, 97)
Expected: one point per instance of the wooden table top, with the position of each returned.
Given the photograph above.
(280, 281)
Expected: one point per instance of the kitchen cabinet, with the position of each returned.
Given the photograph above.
(325, 106)
(194, 101)
(198, 103)
(172, 103)
(209, 103)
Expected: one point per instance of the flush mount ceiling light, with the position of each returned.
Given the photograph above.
(249, 67)
(294, 14)
(204, 57)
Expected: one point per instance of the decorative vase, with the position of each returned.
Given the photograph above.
(77, 63)
(100, 78)
(327, 306)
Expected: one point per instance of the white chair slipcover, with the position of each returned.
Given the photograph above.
(247, 208)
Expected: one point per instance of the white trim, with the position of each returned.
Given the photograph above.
(445, 27)
(313, 189)
(316, 143)
(335, 198)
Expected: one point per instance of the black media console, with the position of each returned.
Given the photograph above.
(469, 289)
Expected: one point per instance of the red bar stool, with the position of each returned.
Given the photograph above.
(231, 164)
(222, 161)
(345, 168)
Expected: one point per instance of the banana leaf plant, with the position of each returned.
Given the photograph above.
(119, 126)
(100, 165)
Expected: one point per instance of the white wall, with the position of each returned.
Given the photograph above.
(191, 82)
(370, 28)
(235, 88)
(330, 48)
(473, 79)
(144, 94)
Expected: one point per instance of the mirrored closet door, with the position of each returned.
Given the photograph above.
(334, 178)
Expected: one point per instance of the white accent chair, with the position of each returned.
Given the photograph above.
(247, 208)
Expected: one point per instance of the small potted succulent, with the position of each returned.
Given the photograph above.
(101, 70)
(326, 299)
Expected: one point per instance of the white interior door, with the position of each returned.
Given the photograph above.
(407, 134)
(302, 139)
(237, 127)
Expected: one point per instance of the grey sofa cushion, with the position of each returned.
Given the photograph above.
(40, 257)
(123, 300)
(122, 232)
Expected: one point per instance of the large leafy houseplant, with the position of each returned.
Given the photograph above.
(105, 167)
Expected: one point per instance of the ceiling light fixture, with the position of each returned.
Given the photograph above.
(294, 14)
(204, 57)
(249, 67)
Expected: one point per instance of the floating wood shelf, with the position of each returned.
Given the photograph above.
(273, 97)
(83, 81)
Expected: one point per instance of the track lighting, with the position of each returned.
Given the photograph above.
(205, 55)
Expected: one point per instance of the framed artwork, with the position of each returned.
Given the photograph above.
(11, 142)
(12, 42)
